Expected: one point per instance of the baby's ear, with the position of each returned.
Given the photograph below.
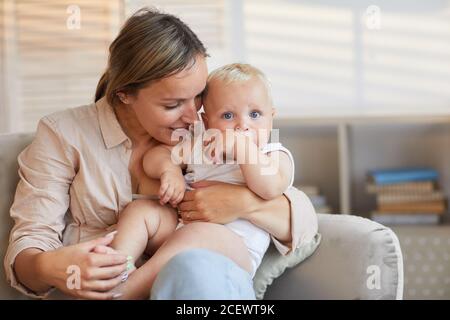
(274, 111)
(204, 118)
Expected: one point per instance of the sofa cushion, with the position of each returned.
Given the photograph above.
(10, 145)
(274, 264)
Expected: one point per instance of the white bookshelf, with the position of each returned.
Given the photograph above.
(336, 153)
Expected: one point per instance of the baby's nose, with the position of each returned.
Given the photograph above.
(242, 127)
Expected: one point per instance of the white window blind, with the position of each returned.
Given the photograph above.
(320, 56)
(3, 111)
(323, 60)
(47, 66)
(407, 64)
(53, 64)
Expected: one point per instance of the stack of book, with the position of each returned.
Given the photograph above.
(318, 200)
(406, 196)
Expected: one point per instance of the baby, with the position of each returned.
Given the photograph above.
(238, 111)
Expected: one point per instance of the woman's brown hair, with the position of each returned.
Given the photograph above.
(150, 46)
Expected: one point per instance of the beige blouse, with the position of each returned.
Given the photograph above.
(74, 181)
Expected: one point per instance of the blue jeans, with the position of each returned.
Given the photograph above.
(200, 274)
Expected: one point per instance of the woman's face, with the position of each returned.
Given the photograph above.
(172, 102)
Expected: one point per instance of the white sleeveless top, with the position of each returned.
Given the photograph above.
(256, 239)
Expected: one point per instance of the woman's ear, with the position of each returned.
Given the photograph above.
(123, 97)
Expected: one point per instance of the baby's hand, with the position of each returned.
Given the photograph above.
(172, 188)
(238, 139)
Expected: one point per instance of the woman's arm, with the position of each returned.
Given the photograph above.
(223, 203)
(290, 218)
(274, 216)
(28, 270)
(36, 259)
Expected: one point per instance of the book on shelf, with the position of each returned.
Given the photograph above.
(390, 176)
(409, 197)
(404, 187)
(412, 207)
(406, 196)
(405, 219)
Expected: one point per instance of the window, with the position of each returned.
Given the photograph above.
(50, 62)
(209, 19)
(324, 59)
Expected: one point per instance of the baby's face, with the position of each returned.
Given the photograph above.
(243, 106)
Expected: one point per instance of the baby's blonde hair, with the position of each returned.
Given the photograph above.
(238, 72)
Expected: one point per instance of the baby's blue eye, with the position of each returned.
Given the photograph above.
(227, 115)
(255, 114)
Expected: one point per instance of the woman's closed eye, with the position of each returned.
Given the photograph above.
(172, 106)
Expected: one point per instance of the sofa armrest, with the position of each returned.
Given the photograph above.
(10, 145)
(357, 259)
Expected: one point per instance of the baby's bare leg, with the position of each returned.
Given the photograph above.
(144, 225)
(206, 235)
(197, 235)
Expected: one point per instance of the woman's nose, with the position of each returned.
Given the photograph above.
(190, 113)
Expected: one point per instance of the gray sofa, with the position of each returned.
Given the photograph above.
(357, 258)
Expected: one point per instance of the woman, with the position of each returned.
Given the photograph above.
(85, 164)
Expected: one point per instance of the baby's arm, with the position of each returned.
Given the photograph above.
(270, 176)
(158, 164)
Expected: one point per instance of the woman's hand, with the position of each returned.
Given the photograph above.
(222, 203)
(217, 202)
(82, 272)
